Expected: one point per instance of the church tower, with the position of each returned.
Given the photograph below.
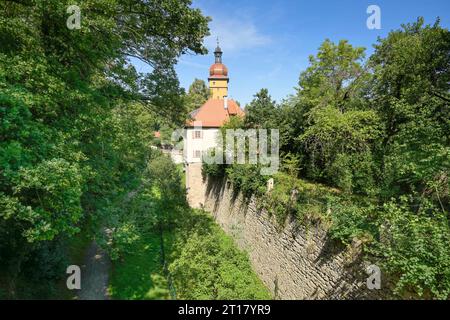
(203, 127)
(218, 76)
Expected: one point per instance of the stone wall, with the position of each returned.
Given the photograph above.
(294, 261)
(195, 186)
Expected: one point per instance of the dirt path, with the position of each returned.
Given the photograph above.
(96, 268)
(95, 274)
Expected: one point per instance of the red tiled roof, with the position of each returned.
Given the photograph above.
(213, 113)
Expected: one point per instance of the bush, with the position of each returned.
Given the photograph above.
(352, 220)
(122, 239)
(414, 247)
(207, 265)
(213, 169)
(247, 178)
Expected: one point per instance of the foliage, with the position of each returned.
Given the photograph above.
(378, 130)
(353, 219)
(260, 110)
(213, 169)
(139, 274)
(197, 95)
(246, 178)
(291, 164)
(209, 266)
(334, 78)
(335, 135)
(290, 196)
(414, 247)
(412, 100)
(336, 125)
(76, 123)
(76, 117)
(202, 262)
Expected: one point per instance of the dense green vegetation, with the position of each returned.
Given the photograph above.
(76, 122)
(164, 249)
(365, 142)
(373, 135)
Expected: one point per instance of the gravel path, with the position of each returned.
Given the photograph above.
(95, 274)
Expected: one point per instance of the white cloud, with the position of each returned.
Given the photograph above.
(235, 35)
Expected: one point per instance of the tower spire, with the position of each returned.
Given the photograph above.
(218, 52)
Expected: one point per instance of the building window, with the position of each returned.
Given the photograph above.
(197, 134)
(197, 153)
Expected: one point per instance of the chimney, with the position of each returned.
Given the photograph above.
(225, 102)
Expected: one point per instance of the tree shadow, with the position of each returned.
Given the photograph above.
(329, 250)
(139, 275)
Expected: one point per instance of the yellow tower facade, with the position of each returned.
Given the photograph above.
(218, 77)
(218, 88)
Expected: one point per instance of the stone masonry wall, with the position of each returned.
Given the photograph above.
(195, 185)
(295, 262)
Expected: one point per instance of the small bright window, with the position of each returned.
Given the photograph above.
(198, 134)
(197, 154)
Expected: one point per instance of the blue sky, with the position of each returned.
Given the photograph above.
(266, 44)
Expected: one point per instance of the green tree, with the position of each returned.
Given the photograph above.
(334, 78)
(197, 95)
(338, 129)
(413, 102)
(380, 128)
(260, 111)
(208, 265)
(76, 117)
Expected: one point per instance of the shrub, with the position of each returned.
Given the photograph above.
(208, 265)
(414, 247)
(247, 178)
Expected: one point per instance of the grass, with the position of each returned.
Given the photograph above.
(139, 275)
